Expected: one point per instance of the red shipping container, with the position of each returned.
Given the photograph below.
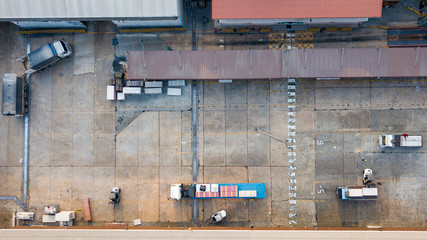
(228, 191)
(88, 217)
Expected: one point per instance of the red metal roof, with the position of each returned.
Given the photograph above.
(265, 64)
(251, 9)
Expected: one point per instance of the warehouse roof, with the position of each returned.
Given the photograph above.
(264, 64)
(203, 233)
(279, 9)
(88, 9)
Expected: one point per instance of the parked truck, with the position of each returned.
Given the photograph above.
(357, 193)
(45, 56)
(404, 140)
(218, 190)
(14, 95)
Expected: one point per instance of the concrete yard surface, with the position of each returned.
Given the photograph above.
(303, 138)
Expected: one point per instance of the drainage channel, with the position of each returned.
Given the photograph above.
(194, 120)
(27, 133)
(25, 166)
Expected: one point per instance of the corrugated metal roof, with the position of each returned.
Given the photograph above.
(251, 9)
(264, 64)
(88, 9)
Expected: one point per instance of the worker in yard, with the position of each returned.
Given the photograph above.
(422, 5)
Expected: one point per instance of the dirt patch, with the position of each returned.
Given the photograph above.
(5, 219)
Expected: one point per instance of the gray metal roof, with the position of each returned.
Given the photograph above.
(295, 63)
(88, 9)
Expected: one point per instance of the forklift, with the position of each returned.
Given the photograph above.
(217, 217)
(367, 176)
(115, 197)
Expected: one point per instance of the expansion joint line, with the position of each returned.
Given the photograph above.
(291, 144)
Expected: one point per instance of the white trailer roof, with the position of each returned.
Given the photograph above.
(355, 192)
(411, 141)
(111, 92)
(370, 191)
(65, 216)
(88, 9)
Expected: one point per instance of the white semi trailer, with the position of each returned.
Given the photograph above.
(404, 140)
(357, 193)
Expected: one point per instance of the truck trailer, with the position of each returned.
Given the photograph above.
(357, 193)
(404, 140)
(45, 56)
(14, 95)
(218, 190)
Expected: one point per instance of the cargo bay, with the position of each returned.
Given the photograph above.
(82, 145)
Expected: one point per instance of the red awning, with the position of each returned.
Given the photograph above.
(257, 9)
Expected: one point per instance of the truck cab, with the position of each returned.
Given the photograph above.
(179, 191)
(342, 193)
(62, 48)
(176, 191)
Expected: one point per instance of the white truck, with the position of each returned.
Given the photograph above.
(14, 95)
(404, 140)
(357, 193)
(45, 56)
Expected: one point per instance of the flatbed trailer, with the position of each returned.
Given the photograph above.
(218, 190)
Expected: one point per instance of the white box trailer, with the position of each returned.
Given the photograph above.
(121, 96)
(14, 95)
(132, 90)
(153, 91)
(48, 219)
(174, 92)
(404, 140)
(176, 83)
(25, 216)
(153, 84)
(111, 92)
(65, 218)
(357, 193)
